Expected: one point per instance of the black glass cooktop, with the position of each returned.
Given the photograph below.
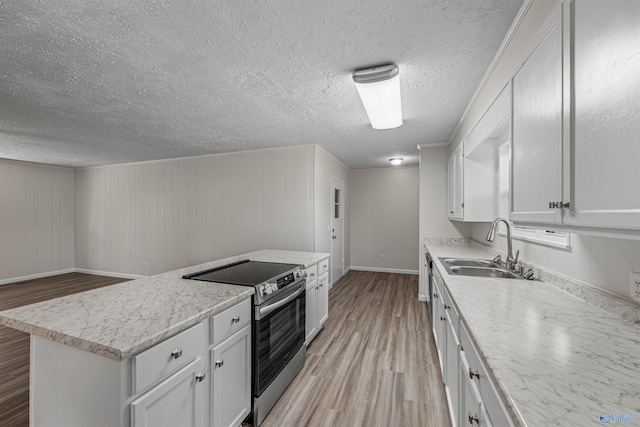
(245, 273)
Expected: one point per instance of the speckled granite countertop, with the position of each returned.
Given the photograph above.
(556, 359)
(122, 320)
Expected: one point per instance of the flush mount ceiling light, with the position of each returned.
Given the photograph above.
(395, 161)
(379, 89)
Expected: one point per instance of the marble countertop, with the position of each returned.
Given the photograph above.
(122, 320)
(556, 359)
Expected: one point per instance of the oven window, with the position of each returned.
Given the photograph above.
(280, 327)
(279, 336)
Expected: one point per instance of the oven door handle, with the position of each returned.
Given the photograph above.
(270, 308)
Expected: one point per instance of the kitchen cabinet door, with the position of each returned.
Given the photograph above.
(538, 128)
(472, 411)
(231, 380)
(177, 401)
(455, 181)
(438, 322)
(323, 299)
(605, 179)
(311, 311)
(452, 382)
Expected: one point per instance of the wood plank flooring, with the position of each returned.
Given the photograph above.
(14, 345)
(373, 364)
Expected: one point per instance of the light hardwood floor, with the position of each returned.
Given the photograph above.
(14, 345)
(373, 364)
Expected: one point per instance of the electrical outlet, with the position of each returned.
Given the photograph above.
(635, 285)
(427, 230)
(146, 267)
(381, 258)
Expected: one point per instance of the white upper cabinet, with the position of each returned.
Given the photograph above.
(575, 127)
(473, 166)
(537, 146)
(605, 183)
(455, 176)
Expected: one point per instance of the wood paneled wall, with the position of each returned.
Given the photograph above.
(36, 220)
(180, 212)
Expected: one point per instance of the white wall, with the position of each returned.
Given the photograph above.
(180, 212)
(36, 220)
(384, 212)
(325, 167)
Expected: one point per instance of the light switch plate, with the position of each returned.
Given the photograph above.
(635, 285)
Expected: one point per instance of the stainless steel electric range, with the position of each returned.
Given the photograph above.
(278, 324)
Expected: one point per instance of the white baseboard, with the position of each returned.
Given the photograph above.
(384, 270)
(109, 273)
(36, 276)
(423, 298)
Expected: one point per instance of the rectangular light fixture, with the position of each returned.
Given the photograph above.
(379, 89)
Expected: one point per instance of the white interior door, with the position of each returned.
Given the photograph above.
(337, 229)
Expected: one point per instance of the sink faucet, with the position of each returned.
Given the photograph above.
(511, 261)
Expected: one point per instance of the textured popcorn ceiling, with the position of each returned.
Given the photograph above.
(87, 83)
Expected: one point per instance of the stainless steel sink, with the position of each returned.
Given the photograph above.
(469, 262)
(484, 272)
(477, 267)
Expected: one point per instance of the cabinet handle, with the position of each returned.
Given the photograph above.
(200, 377)
(176, 353)
(442, 318)
(235, 319)
(474, 374)
(435, 295)
(559, 205)
(219, 363)
(473, 418)
(447, 307)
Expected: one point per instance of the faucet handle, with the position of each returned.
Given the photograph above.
(497, 259)
(515, 261)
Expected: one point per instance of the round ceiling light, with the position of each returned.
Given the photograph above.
(395, 161)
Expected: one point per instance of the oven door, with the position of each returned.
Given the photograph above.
(279, 334)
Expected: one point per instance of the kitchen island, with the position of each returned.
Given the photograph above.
(553, 358)
(94, 355)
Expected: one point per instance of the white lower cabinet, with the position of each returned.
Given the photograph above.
(479, 375)
(452, 361)
(177, 382)
(311, 311)
(323, 299)
(437, 323)
(317, 302)
(472, 411)
(452, 386)
(231, 379)
(176, 401)
(471, 396)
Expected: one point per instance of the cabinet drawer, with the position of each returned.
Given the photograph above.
(488, 393)
(323, 267)
(230, 321)
(451, 309)
(312, 273)
(163, 359)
